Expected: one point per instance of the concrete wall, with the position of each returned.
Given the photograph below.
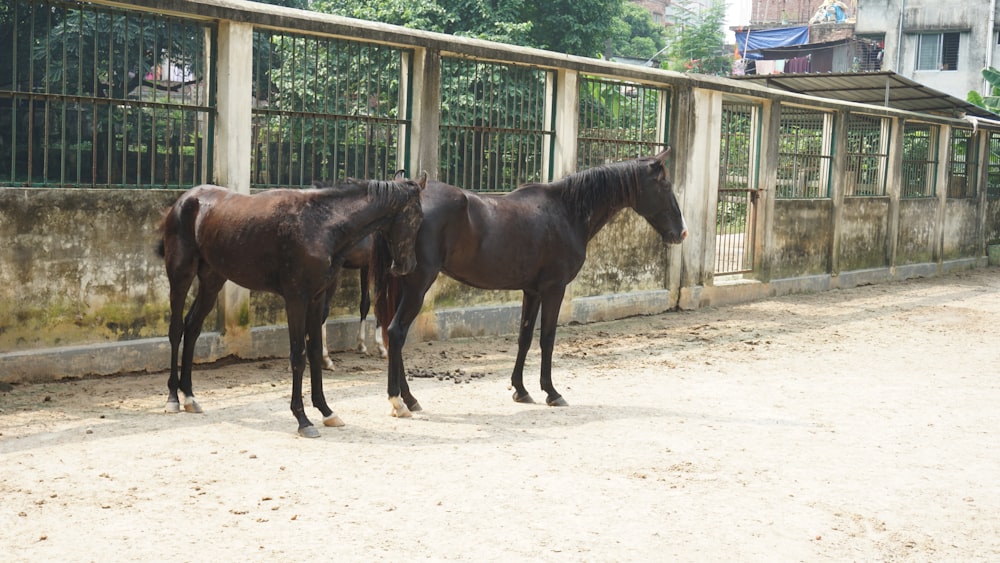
(864, 238)
(82, 291)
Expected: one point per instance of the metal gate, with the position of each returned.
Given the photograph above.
(736, 215)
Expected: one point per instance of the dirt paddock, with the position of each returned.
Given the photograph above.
(852, 425)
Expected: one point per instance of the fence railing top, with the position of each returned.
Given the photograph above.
(292, 19)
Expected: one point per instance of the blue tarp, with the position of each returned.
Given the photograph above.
(768, 39)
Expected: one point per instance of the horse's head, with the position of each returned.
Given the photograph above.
(401, 232)
(656, 201)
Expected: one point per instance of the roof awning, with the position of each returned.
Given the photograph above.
(886, 89)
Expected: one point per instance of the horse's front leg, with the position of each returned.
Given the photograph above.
(529, 312)
(551, 302)
(314, 326)
(296, 312)
(403, 402)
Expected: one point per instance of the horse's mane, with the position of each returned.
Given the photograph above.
(381, 192)
(388, 193)
(603, 190)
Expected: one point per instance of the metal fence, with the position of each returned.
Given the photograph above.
(804, 150)
(962, 163)
(494, 129)
(620, 120)
(867, 155)
(993, 166)
(325, 109)
(736, 209)
(919, 172)
(96, 96)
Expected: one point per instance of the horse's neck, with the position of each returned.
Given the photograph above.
(598, 220)
(363, 209)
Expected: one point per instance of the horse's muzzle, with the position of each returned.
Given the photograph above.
(675, 238)
(401, 270)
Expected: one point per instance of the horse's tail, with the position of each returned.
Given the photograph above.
(387, 286)
(178, 221)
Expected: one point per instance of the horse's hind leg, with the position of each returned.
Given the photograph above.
(209, 285)
(325, 361)
(363, 308)
(180, 277)
(529, 312)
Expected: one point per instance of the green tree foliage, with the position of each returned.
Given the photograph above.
(992, 101)
(696, 41)
(635, 34)
(577, 28)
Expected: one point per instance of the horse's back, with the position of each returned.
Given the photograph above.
(501, 241)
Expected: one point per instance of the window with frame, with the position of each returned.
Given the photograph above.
(993, 167)
(962, 163)
(919, 160)
(803, 153)
(867, 155)
(937, 51)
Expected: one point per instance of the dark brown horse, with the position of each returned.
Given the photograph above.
(533, 239)
(288, 242)
(358, 258)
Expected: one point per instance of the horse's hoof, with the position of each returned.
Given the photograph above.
(362, 348)
(327, 364)
(557, 402)
(192, 406)
(399, 408)
(172, 407)
(526, 398)
(415, 407)
(309, 432)
(333, 421)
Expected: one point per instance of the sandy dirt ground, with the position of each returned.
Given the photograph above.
(852, 425)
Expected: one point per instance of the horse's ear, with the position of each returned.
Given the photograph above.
(399, 176)
(662, 157)
(422, 180)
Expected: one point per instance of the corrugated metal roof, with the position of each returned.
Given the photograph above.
(875, 88)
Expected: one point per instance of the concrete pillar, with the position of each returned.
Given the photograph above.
(893, 189)
(425, 107)
(941, 184)
(562, 87)
(770, 135)
(697, 118)
(839, 172)
(232, 158)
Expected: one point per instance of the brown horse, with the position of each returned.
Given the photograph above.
(288, 241)
(358, 258)
(533, 239)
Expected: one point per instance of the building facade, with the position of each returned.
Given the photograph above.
(944, 45)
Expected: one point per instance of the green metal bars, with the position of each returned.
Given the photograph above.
(494, 124)
(736, 213)
(620, 120)
(325, 109)
(919, 173)
(867, 155)
(91, 96)
(993, 166)
(804, 150)
(962, 163)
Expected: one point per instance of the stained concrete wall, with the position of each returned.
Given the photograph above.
(864, 238)
(82, 292)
